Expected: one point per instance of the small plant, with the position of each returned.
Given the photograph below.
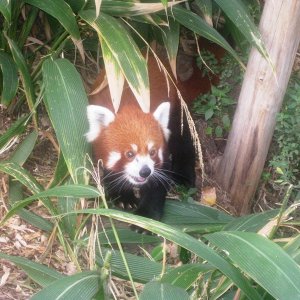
(286, 161)
(216, 106)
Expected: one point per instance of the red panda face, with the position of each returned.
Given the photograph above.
(131, 143)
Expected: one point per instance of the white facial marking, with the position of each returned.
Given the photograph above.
(113, 158)
(134, 147)
(133, 169)
(150, 145)
(98, 117)
(161, 114)
(160, 154)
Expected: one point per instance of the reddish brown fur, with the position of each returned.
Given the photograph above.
(131, 126)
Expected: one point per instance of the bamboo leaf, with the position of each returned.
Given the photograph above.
(37, 272)
(15, 170)
(184, 240)
(141, 268)
(5, 9)
(253, 222)
(17, 128)
(237, 13)
(171, 40)
(10, 78)
(264, 261)
(125, 52)
(80, 191)
(61, 11)
(114, 75)
(184, 276)
(126, 236)
(185, 213)
(133, 8)
(193, 22)
(85, 284)
(66, 103)
(163, 291)
(24, 72)
(22, 152)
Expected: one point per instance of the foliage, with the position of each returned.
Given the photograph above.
(217, 105)
(286, 160)
(40, 44)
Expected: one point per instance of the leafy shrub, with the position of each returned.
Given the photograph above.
(287, 138)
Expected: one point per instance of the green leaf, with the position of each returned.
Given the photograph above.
(37, 272)
(185, 275)
(170, 37)
(66, 103)
(61, 171)
(24, 72)
(142, 269)
(219, 131)
(177, 213)
(185, 241)
(163, 291)
(208, 114)
(5, 9)
(133, 8)
(253, 222)
(114, 75)
(17, 128)
(61, 11)
(23, 151)
(15, 170)
(293, 248)
(237, 13)
(264, 261)
(85, 284)
(126, 236)
(125, 52)
(193, 22)
(10, 78)
(80, 191)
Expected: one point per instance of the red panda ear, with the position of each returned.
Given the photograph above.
(161, 115)
(98, 117)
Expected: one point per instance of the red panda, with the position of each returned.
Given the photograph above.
(144, 150)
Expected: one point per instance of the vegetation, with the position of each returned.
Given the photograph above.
(222, 256)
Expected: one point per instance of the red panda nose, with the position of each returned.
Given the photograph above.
(145, 171)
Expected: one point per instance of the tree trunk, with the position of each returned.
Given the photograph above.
(260, 100)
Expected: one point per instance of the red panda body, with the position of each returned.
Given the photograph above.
(135, 147)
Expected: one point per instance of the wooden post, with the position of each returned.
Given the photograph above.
(260, 100)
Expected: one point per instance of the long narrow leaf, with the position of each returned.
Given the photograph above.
(193, 22)
(66, 102)
(253, 222)
(5, 9)
(10, 78)
(61, 11)
(186, 241)
(85, 284)
(125, 52)
(237, 13)
(184, 276)
(163, 291)
(264, 261)
(17, 128)
(114, 75)
(77, 190)
(37, 272)
(24, 72)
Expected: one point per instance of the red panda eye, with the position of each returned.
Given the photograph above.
(152, 152)
(129, 154)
